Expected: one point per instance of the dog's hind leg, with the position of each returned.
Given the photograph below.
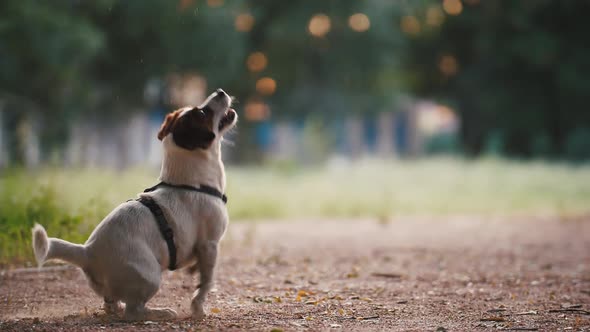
(192, 269)
(207, 257)
(111, 307)
(138, 311)
(140, 283)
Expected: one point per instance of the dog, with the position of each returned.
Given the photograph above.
(124, 257)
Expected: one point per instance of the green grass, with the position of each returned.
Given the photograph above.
(438, 187)
(69, 203)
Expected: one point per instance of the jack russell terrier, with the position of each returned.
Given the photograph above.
(177, 223)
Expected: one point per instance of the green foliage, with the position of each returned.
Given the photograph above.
(342, 72)
(75, 58)
(577, 146)
(522, 71)
(63, 59)
(21, 206)
(70, 203)
(444, 144)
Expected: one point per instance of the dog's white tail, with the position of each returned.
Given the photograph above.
(51, 248)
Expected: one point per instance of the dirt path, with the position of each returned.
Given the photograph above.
(411, 275)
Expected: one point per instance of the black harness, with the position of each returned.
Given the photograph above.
(165, 229)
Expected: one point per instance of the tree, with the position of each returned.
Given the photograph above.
(72, 58)
(517, 72)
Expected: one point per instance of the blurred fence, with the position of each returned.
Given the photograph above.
(114, 145)
(131, 141)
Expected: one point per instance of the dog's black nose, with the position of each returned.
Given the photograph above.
(220, 93)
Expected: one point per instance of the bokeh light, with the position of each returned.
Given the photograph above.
(434, 16)
(256, 62)
(359, 22)
(184, 4)
(448, 65)
(410, 25)
(319, 25)
(256, 111)
(244, 22)
(214, 3)
(453, 7)
(266, 86)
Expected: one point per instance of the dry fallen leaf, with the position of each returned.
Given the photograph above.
(215, 310)
(578, 323)
(354, 273)
(387, 275)
(531, 312)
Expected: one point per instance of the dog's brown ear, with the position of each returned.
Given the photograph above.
(168, 124)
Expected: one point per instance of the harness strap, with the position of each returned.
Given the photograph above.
(202, 189)
(165, 229)
(163, 226)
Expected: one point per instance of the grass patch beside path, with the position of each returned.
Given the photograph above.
(69, 203)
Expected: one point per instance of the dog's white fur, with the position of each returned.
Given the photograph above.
(125, 255)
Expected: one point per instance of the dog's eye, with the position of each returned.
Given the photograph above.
(201, 113)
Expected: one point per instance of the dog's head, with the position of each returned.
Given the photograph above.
(194, 128)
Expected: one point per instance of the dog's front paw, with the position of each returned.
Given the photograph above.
(198, 311)
(112, 308)
(162, 314)
(150, 314)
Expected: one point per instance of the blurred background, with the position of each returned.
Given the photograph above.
(348, 108)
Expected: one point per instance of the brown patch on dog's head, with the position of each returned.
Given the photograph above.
(190, 129)
(168, 123)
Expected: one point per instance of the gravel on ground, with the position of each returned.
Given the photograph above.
(410, 274)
